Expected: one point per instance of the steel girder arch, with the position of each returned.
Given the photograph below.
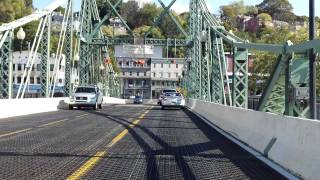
(6, 65)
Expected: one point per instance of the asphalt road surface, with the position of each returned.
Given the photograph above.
(121, 142)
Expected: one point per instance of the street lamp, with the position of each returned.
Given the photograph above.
(21, 35)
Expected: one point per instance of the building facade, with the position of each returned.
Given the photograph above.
(19, 66)
(145, 72)
(166, 73)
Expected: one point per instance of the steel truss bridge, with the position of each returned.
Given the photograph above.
(205, 75)
(205, 141)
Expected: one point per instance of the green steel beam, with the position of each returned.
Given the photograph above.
(6, 67)
(45, 59)
(86, 28)
(148, 41)
(68, 49)
(240, 78)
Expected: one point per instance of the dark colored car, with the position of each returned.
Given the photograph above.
(138, 100)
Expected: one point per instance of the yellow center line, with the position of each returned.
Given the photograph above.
(15, 132)
(87, 166)
(94, 160)
(52, 123)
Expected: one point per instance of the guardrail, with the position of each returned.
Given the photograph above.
(292, 143)
(20, 107)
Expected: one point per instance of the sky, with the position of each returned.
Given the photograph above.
(300, 6)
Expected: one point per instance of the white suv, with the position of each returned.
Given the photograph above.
(164, 92)
(86, 96)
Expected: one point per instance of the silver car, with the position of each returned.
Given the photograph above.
(86, 96)
(173, 100)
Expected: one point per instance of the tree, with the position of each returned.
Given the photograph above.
(279, 9)
(60, 9)
(147, 14)
(129, 11)
(169, 28)
(264, 17)
(230, 12)
(11, 10)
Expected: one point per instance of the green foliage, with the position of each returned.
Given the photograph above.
(129, 11)
(60, 9)
(155, 33)
(11, 10)
(147, 14)
(264, 17)
(107, 30)
(279, 9)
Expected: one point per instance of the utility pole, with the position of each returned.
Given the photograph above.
(312, 63)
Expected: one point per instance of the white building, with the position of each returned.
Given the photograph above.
(19, 65)
(145, 72)
(165, 74)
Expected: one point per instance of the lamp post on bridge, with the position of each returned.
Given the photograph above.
(312, 63)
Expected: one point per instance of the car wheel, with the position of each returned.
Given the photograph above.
(100, 106)
(95, 106)
(70, 107)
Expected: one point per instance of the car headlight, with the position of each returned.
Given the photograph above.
(72, 98)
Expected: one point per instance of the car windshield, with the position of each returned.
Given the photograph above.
(85, 90)
(169, 91)
(172, 94)
(138, 97)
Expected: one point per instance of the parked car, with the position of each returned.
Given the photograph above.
(164, 92)
(138, 100)
(86, 96)
(173, 100)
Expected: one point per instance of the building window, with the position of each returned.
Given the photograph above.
(145, 73)
(38, 80)
(32, 69)
(123, 73)
(176, 75)
(138, 73)
(161, 65)
(60, 81)
(177, 65)
(161, 74)
(14, 67)
(169, 75)
(153, 83)
(162, 83)
(154, 74)
(38, 67)
(51, 67)
(31, 80)
(19, 68)
(19, 80)
(130, 73)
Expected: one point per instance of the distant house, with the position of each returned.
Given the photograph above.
(248, 23)
(298, 25)
(118, 26)
(280, 24)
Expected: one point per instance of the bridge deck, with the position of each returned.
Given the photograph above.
(121, 142)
